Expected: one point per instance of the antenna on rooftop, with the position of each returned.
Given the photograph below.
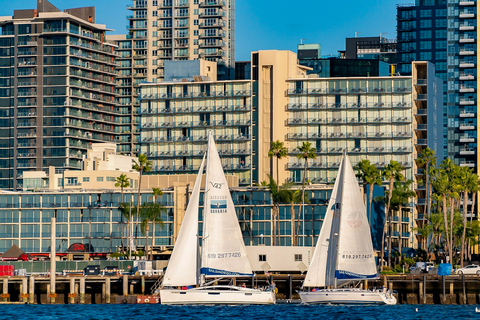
(357, 33)
(301, 40)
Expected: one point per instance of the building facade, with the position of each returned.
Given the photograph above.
(93, 217)
(58, 90)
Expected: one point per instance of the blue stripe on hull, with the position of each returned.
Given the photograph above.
(347, 275)
(217, 272)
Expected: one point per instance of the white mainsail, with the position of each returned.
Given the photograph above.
(344, 248)
(183, 267)
(355, 258)
(223, 249)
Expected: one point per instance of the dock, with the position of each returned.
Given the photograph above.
(118, 289)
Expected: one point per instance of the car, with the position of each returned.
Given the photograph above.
(471, 269)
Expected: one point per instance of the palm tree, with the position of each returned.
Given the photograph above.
(362, 168)
(404, 193)
(427, 159)
(122, 182)
(473, 187)
(465, 175)
(392, 172)
(143, 165)
(294, 197)
(150, 212)
(156, 193)
(277, 150)
(306, 152)
(441, 186)
(126, 210)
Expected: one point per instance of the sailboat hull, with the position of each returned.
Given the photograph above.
(217, 295)
(348, 296)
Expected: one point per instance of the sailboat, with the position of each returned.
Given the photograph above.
(344, 252)
(192, 274)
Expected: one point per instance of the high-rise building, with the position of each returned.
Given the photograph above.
(167, 30)
(422, 36)
(57, 78)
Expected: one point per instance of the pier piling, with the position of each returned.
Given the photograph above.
(82, 290)
(143, 284)
(71, 296)
(24, 291)
(125, 285)
(31, 290)
(107, 290)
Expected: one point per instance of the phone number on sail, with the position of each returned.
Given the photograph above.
(224, 255)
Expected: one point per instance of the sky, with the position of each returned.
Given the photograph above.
(267, 24)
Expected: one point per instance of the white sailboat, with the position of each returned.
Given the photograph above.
(223, 251)
(344, 250)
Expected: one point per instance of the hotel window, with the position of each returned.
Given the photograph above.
(298, 257)
(99, 179)
(425, 13)
(262, 257)
(86, 179)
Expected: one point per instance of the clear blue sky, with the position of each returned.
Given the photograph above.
(267, 24)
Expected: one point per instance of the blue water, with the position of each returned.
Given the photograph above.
(284, 312)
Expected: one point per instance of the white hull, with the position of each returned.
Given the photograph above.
(217, 295)
(348, 296)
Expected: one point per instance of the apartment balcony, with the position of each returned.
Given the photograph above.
(466, 27)
(467, 14)
(466, 3)
(467, 89)
(212, 3)
(421, 127)
(465, 76)
(182, 3)
(467, 114)
(211, 44)
(467, 152)
(466, 52)
(421, 142)
(420, 82)
(466, 139)
(467, 126)
(421, 112)
(470, 164)
(211, 35)
(215, 14)
(420, 97)
(467, 102)
(466, 40)
(218, 24)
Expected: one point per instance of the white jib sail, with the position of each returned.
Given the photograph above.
(355, 258)
(325, 248)
(223, 249)
(183, 267)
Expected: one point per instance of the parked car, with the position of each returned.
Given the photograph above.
(421, 267)
(471, 269)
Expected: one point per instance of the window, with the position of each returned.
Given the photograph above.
(425, 34)
(86, 179)
(195, 42)
(195, 12)
(441, 45)
(155, 3)
(155, 23)
(195, 22)
(298, 257)
(425, 23)
(262, 257)
(195, 32)
(155, 13)
(441, 12)
(441, 23)
(195, 1)
(425, 56)
(425, 13)
(425, 45)
(99, 179)
(110, 178)
(440, 34)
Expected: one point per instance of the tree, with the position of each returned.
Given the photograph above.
(156, 194)
(122, 182)
(126, 210)
(427, 159)
(403, 193)
(143, 165)
(306, 152)
(370, 176)
(279, 195)
(278, 151)
(150, 212)
(392, 172)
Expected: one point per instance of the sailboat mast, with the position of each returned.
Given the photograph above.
(341, 187)
(205, 207)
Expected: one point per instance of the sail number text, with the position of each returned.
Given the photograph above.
(224, 255)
